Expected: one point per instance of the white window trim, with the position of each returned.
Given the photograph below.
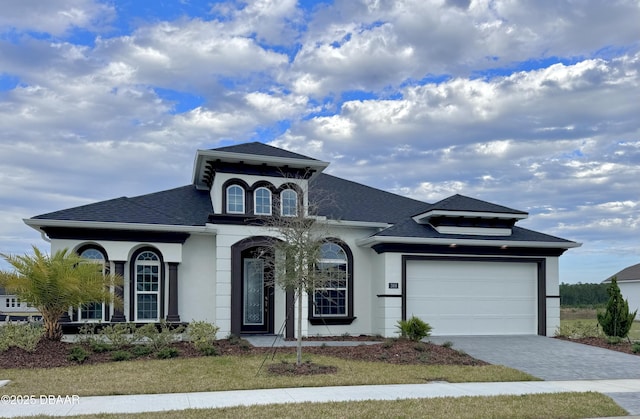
(346, 289)
(135, 287)
(282, 203)
(103, 262)
(255, 201)
(244, 204)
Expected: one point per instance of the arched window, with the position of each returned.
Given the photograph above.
(262, 201)
(92, 311)
(147, 286)
(235, 199)
(331, 298)
(289, 203)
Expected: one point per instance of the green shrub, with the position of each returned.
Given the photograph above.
(579, 329)
(447, 344)
(98, 346)
(209, 350)
(635, 348)
(158, 337)
(616, 320)
(414, 328)
(22, 335)
(167, 352)
(613, 340)
(141, 350)
(87, 334)
(78, 354)
(120, 335)
(121, 355)
(202, 335)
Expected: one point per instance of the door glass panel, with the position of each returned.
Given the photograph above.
(253, 292)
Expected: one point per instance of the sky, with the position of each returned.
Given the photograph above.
(531, 104)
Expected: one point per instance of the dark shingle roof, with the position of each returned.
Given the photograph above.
(180, 206)
(464, 203)
(342, 199)
(627, 274)
(409, 228)
(261, 149)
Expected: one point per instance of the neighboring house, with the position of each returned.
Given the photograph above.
(628, 281)
(188, 253)
(11, 308)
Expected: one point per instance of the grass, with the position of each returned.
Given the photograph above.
(570, 316)
(232, 373)
(565, 405)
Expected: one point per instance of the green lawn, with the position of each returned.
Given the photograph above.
(587, 316)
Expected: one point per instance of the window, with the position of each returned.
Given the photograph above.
(289, 203)
(93, 311)
(235, 199)
(147, 286)
(331, 299)
(262, 201)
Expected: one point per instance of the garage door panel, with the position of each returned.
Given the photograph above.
(473, 297)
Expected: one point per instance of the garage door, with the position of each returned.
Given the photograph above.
(473, 298)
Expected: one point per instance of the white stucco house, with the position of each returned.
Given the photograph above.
(628, 281)
(461, 264)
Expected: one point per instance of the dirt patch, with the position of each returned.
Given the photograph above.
(306, 368)
(50, 354)
(624, 346)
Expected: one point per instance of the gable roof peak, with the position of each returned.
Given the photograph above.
(464, 203)
(261, 149)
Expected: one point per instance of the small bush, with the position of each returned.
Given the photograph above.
(22, 335)
(121, 355)
(78, 355)
(579, 329)
(635, 348)
(208, 350)
(141, 350)
(388, 343)
(613, 340)
(202, 335)
(167, 352)
(420, 347)
(120, 335)
(414, 329)
(447, 344)
(87, 334)
(98, 347)
(160, 338)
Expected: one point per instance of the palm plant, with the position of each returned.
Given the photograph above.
(55, 283)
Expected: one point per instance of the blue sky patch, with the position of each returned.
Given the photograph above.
(182, 101)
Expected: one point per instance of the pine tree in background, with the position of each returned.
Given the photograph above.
(616, 321)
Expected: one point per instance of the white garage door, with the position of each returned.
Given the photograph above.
(473, 298)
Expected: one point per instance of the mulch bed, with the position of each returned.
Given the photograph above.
(624, 346)
(50, 354)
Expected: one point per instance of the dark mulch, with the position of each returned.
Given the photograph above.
(624, 346)
(306, 368)
(396, 351)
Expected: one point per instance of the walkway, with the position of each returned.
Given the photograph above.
(161, 402)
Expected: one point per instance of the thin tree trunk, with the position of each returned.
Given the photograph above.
(299, 319)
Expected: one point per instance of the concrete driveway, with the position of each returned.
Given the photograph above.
(554, 359)
(548, 358)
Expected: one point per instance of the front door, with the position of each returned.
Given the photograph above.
(257, 296)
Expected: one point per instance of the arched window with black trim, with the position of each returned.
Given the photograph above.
(147, 285)
(262, 201)
(332, 301)
(289, 203)
(92, 311)
(235, 199)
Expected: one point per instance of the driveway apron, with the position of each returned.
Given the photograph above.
(548, 358)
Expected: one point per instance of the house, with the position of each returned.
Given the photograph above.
(628, 281)
(461, 264)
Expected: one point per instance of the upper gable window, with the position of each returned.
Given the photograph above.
(235, 199)
(262, 201)
(289, 203)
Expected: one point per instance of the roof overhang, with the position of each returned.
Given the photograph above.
(204, 156)
(452, 242)
(424, 217)
(39, 224)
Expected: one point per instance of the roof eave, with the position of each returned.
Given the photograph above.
(373, 240)
(38, 224)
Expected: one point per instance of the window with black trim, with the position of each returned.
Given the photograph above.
(332, 303)
(262, 201)
(235, 199)
(147, 286)
(289, 203)
(92, 312)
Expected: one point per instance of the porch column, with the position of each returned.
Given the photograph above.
(118, 313)
(173, 316)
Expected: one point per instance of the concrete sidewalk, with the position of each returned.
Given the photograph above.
(181, 401)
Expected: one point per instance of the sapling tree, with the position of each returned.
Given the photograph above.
(55, 283)
(616, 320)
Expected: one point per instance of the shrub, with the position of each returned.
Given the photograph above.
(167, 352)
(121, 355)
(98, 346)
(635, 348)
(447, 344)
(120, 335)
(22, 335)
(414, 328)
(614, 340)
(141, 350)
(616, 320)
(208, 350)
(202, 335)
(78, 354)
(160, 338)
